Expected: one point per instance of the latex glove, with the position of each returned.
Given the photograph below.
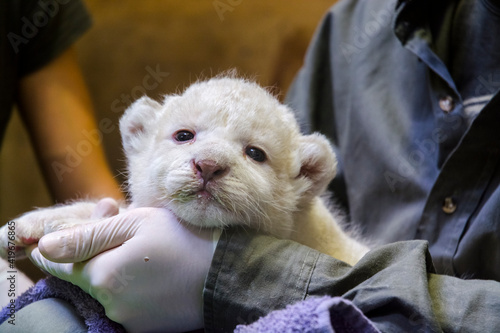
(9, 274)
(105, 207)
(152, 278)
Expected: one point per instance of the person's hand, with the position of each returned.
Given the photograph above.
(152, 277)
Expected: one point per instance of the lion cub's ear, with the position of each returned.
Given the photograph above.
(318, 163)
(136, 121)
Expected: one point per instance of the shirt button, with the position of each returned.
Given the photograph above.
(446, 104)
(449, 205)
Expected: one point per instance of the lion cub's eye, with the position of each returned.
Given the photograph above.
(183, 135)
(256, 154)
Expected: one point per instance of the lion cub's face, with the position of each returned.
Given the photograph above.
(224, 152)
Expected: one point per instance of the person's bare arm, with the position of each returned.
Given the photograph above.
(56, 109)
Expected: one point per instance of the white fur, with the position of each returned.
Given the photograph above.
(279, 196)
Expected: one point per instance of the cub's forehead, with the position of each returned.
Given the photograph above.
(229, 103)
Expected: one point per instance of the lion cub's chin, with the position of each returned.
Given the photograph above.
(203, 210)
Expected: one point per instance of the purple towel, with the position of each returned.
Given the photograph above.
(87, 307)
(320, 314)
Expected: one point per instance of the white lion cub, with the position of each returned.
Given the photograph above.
(223, 153)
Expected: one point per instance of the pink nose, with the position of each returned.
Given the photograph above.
(210, 170)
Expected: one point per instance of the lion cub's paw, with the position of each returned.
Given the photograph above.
(27, 229)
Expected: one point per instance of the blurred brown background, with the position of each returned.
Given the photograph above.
(157, 47)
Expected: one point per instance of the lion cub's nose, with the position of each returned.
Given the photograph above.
(209, 170)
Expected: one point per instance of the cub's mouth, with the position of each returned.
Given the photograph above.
(201, 195)
(219, 203)
(203, 207)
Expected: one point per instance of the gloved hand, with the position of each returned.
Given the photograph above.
(152, 277)
(105, 207)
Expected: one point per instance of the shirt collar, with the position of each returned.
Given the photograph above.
(411, 15)
(415, 22)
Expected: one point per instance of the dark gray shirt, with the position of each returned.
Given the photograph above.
(417, 163)
(416, 166)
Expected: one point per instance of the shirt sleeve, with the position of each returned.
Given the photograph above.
(47, 28)
(394, 286)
